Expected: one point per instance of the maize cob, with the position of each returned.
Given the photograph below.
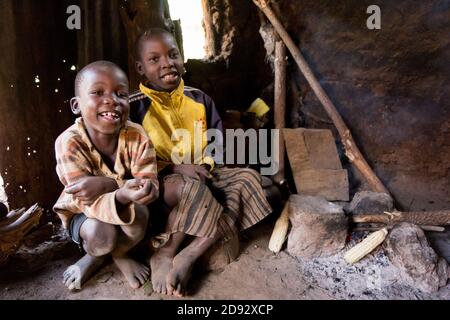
(366, 246)
(280, 230)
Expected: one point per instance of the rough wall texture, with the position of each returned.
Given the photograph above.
(236, 74)
(36, 44)
(33, 44)
(392, 87)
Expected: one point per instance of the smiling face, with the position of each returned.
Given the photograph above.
(160, 62)
(102, 100)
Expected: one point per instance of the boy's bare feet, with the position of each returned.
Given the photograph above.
(135, 273)
(177, 278)
(161, 263)
(77, 274)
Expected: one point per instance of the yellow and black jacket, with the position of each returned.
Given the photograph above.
(161, 113)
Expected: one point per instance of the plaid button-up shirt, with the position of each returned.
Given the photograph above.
(77, 157)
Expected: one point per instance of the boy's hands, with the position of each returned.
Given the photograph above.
(193, 171)
(136, 190)
(88, 189)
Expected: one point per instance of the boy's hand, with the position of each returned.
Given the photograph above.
(193, 171)
(137, 190)
(88, 189)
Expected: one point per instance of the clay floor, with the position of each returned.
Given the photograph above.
(257, 274)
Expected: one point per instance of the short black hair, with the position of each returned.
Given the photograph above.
(94, 65)
(147, 35)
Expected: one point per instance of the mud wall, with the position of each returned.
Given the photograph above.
(235, 71)
(40, 58)
(35, 83)
(392, 87)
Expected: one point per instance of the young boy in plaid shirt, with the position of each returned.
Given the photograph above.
(107, 165)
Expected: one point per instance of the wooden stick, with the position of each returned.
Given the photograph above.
(426, 218)
(433, 228)
(280, 102)
(425, 228)
(351, 150)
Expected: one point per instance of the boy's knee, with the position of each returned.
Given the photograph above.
(248, 174)
(99, 238)
(173, 190)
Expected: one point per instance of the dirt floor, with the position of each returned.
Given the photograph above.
(257, 274)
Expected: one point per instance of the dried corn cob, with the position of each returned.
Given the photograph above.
(366, 246)
(280, 230)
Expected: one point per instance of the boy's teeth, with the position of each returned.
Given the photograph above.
(110, 114)
(169, 76)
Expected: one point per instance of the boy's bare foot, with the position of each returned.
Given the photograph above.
(177, 278)
(135, 273)
(160, 263)
(77, 274)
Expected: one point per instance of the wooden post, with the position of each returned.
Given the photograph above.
(280, 102)
(351, 150)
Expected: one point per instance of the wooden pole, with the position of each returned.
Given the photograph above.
(427, 218)
(351, 150)
(280, 102)
(424, 228)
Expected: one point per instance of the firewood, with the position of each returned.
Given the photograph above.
(15, 227)
(432, 228)
(425, 228)
(425, 218)
(11, 217)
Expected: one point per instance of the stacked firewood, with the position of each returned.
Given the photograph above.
(14, 227)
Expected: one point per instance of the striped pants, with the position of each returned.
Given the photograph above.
(233, 198)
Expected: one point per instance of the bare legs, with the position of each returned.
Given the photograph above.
(171, 270)
(161, 260)
(134, 272)
(100, 239)
(176, 279)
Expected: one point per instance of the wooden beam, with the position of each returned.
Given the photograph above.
(351, 150)
(280, 103)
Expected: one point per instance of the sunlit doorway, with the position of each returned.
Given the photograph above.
(190, 13)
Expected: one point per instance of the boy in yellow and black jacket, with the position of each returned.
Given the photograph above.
(203, 201)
